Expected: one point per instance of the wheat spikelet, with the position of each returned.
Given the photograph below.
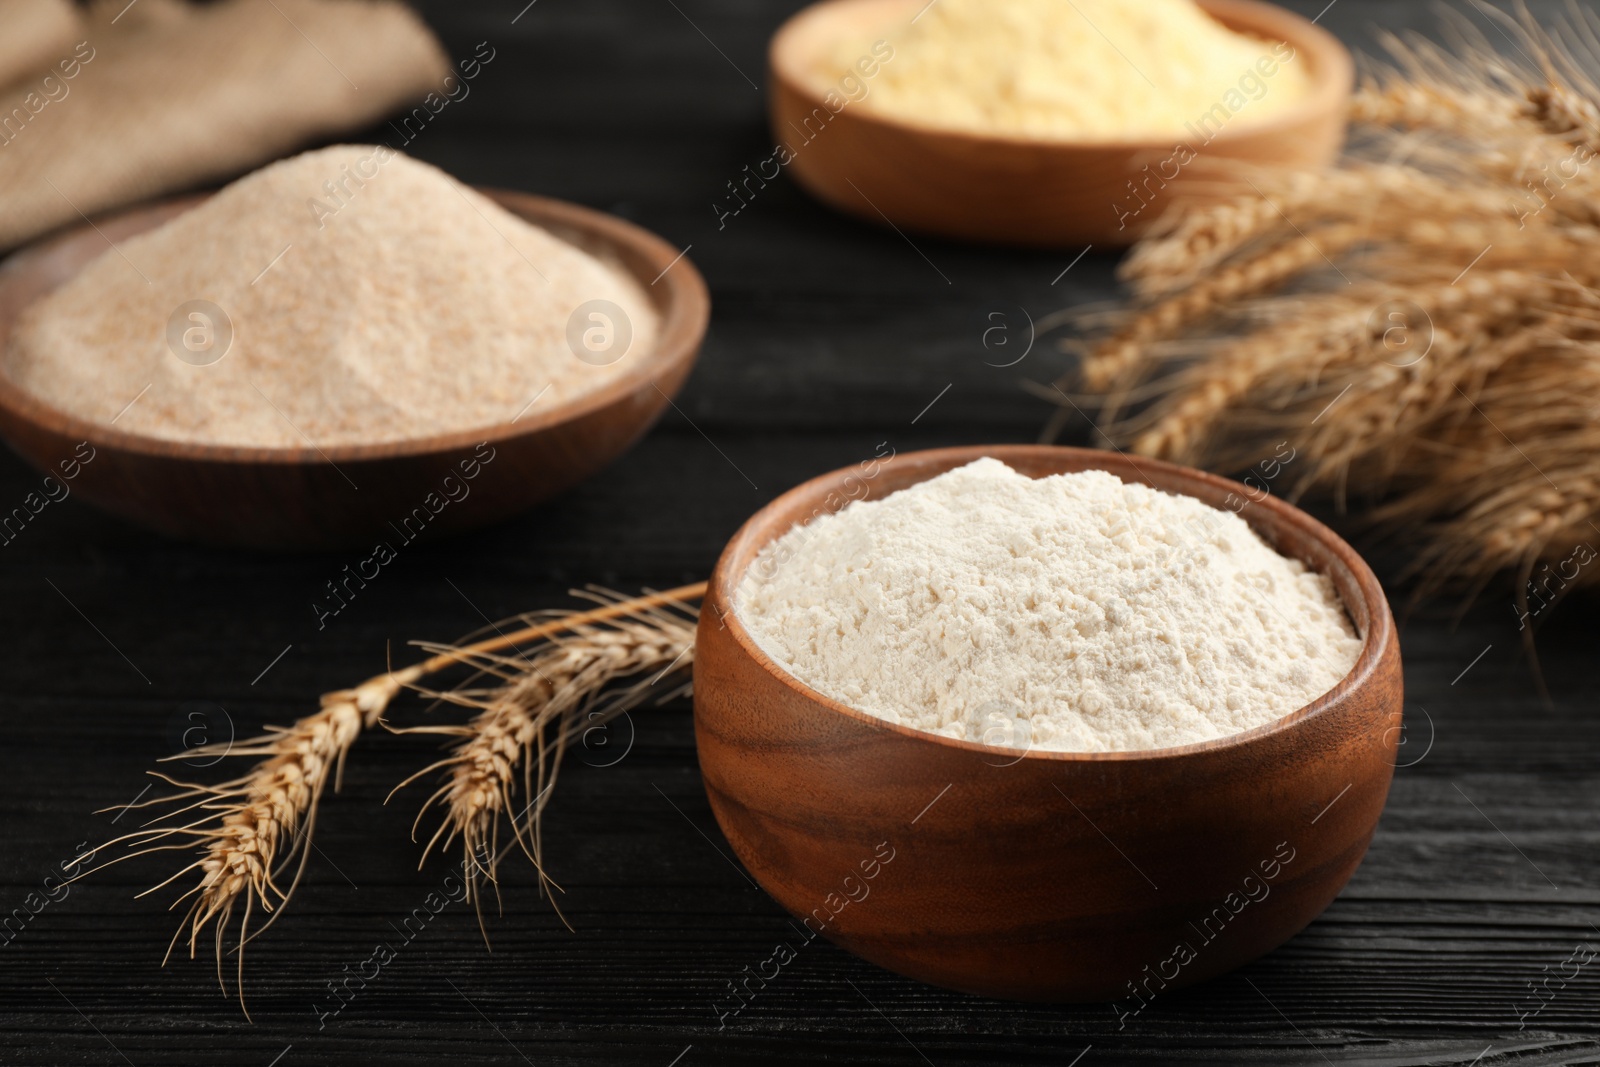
(252, 830)
(540, 702)
(1121, 358)
(256, 827)
(1473, 91)
(1474, 201)
(1558, 110)
(1271, 365)
(1182, 245)
(1411, 106)
(1187, 245)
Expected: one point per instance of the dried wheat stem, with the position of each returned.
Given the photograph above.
(1480, 202)
(1122, 358)
(256, 827)
(1409, 105)
(1186, 242)
(253, 829)
(1194, 243)
(551, 696)
(1560, 111)
(1464, 315)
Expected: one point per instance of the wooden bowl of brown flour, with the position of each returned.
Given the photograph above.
(345, 349)
(1100, 853)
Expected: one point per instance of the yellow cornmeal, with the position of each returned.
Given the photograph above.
(1102, 70)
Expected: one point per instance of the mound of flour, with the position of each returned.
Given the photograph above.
(369, 297)
(1073, 613)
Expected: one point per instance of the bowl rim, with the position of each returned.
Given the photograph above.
(1332, 81)
(684, 308)
(1376, 642)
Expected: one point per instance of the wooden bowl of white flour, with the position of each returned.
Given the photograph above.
(1031, 757)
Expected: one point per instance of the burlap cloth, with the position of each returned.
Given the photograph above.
(167, 95)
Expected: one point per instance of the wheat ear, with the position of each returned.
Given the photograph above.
(251, 830)
(1479, 209)
(537, 704)
(1118, 362)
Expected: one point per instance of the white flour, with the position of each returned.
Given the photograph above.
(1073, 613)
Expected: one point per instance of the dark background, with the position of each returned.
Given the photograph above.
(827, 337)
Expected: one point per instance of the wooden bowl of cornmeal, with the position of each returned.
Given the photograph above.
(1043, 875)
(378, 497)
(1009, 188)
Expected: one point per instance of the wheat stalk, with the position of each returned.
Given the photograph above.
(1271, 365)
(540, 703)
(247, 833)
(1472, 198)
(1372, 199)
(1124, 357)
(254, 828)
(1410, 106)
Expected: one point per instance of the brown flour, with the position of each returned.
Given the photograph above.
(370, 297)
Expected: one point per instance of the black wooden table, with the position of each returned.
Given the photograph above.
(828, 337)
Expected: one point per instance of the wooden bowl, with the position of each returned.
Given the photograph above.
(1024, 191)
(1044, 875)
(353, 496)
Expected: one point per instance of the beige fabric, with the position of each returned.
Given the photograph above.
(168, 95)
(35, 34)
